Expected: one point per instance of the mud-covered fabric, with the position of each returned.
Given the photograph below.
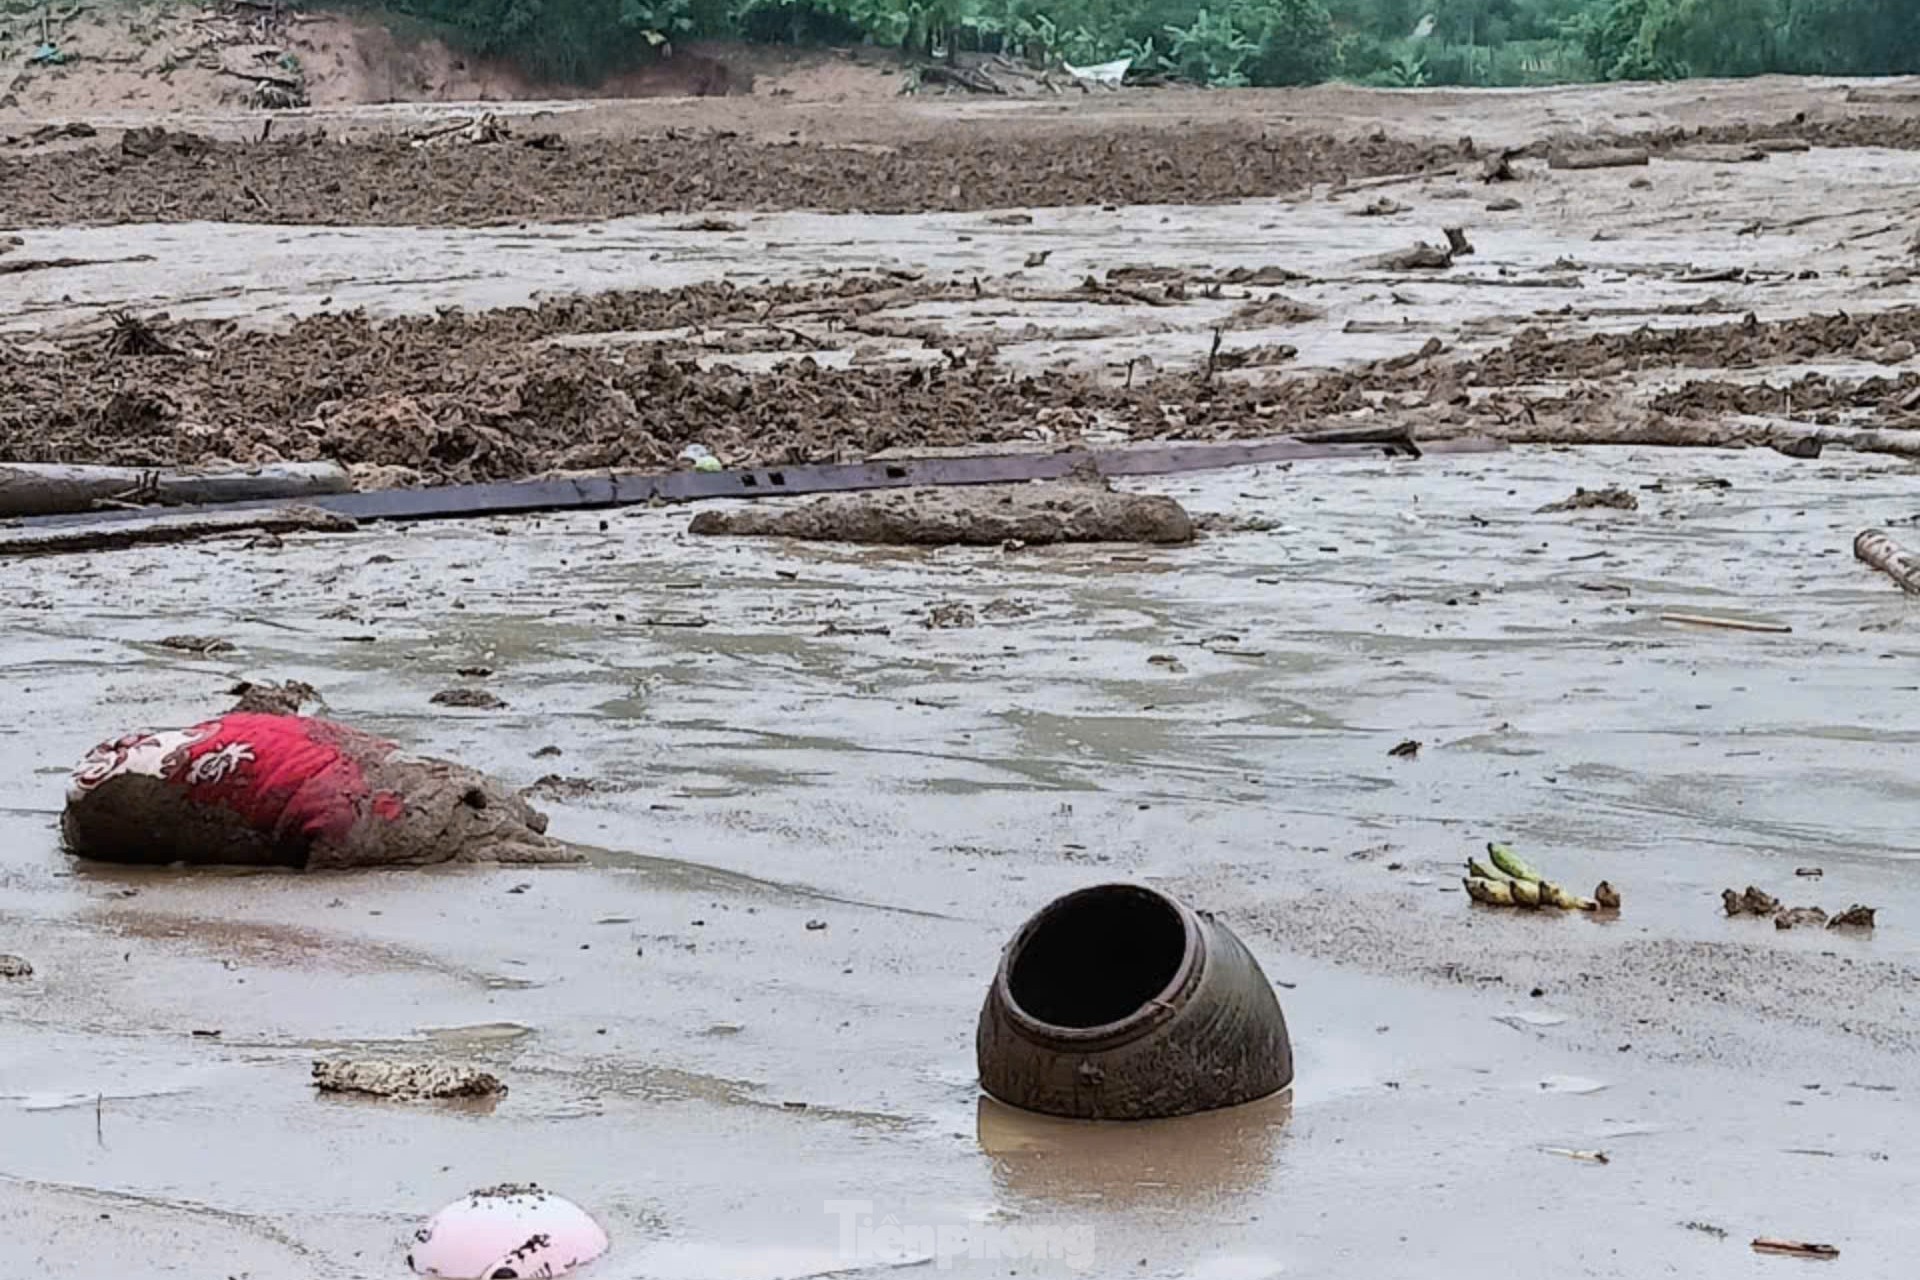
(281, 790)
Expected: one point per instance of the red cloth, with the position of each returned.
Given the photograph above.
(290, 777)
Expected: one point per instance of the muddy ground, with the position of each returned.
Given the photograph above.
(688, 1056)
(915, 749)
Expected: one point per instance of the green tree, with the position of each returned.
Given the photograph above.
(1636, 40)
(1294, 43)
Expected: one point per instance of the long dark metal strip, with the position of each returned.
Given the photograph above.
(618, 490)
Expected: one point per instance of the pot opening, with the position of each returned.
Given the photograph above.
(1098, 956)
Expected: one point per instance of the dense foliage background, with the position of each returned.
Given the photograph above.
(1234, 42)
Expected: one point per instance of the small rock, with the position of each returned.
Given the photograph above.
(1612, 497)
(948, 616)
(562, 787)
(814, 926)
(1421, 257)
(1751, 903)
(1406, 750)
(15, 967)
(197, 644)
(479, 699)
(1791, 917)
(267, 698)
(1854, 917)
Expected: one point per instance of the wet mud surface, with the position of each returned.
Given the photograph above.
(1136, 148)
(815, 754)
(818, 785)
(800, 337)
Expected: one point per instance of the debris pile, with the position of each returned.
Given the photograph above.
(1754, 902)
(386, 180)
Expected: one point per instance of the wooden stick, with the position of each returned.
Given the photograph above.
(1794, 1248)
(1877, 548)
(1725, 624)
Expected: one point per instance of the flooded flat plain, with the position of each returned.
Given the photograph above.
(692, 1060)
(821, 785)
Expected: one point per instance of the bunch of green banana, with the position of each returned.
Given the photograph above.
(1510, 882)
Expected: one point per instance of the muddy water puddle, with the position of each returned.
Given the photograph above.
(690, 1056)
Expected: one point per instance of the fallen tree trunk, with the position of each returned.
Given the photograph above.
(1599, 158)
(44, 489)
(1877, 548)
(153, 530)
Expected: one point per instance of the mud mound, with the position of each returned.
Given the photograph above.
(388, 181)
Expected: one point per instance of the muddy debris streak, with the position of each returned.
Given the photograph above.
(471, 398)
(386, 181)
